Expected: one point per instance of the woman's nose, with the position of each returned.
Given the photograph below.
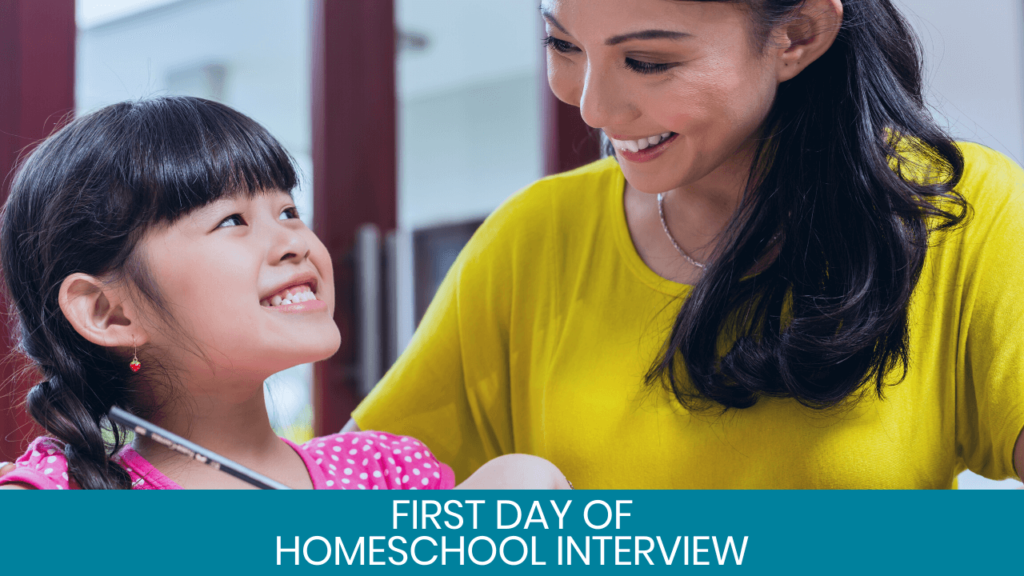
(603, 102)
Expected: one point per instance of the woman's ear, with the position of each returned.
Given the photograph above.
(100, 312)
(805, 36)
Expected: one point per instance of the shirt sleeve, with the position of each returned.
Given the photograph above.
(42, 467)
(451, 387)
(370, 460)
(990, 389)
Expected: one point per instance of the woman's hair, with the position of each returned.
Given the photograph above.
(80, 202)
(850, 177)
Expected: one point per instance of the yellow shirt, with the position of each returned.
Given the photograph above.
(539, 337)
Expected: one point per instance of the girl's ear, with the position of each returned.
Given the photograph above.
(805, 37)
(100, 312)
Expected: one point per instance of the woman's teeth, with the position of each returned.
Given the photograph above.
(290, 296)
(641, 144)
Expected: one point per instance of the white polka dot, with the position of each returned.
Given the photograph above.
(363, 476)
(405, 439)
(367, 447)
(413, 488)
(64, 475)
(350, 461)
(399, 469)
(320, 452)
(333, 457)
(319, 460)
(36, 454)
(361, 487)
(398, 481)
(397, 452)
(408, 459)
(332, 467)
(405, 478)
(418, 455)
(426, 465)
(337, 448)
(331, 472)
(353, 451)
(48, 471)
(51, 459)
(377, 456)
(355, 440)
(425, 481)
(320, 445)
(347, 471)
(376, 487)
(339, 439)
(426, 453)
(387, 472)
(436, 475)
(391, 460)
(376, 473)
(330, 482)
(416, 471)
(50, 451)
(365, 460)
(344, 480)
(59, 487)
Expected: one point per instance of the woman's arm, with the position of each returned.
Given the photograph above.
(516, 472)
(1018, 455)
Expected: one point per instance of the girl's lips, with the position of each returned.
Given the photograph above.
(308, 306)
(647, 154)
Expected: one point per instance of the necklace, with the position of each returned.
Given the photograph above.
(664, 226)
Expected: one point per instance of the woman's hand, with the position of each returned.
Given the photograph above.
(517, 472)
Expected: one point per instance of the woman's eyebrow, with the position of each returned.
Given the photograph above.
(642, 35)
(647, 35)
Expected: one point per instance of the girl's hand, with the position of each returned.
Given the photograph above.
(517, 472)
(6, 467)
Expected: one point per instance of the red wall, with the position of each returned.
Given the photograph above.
(37, 92)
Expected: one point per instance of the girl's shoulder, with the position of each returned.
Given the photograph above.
(369, 460)
(42, 467)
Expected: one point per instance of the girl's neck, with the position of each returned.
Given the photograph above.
(238, 429)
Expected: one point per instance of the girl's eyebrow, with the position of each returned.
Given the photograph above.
(642, 35)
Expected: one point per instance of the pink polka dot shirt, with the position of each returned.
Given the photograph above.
(349, 461)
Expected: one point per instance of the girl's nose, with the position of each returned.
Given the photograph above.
(288, 244)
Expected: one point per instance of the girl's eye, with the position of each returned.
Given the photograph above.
(233, 220)
(559, 45)
(646, 67)
(289, 213)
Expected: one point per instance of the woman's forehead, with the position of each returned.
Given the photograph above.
(609, 19)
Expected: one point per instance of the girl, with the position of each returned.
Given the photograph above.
(773, 283)
(156, 262)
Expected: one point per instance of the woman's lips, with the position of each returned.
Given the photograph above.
(647, 154)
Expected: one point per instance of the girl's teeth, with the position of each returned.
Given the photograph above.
(285, 302)
(275, 301)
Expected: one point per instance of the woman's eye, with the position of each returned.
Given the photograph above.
(289, 213)
(233, 220)
(646, 67)
(559, 45)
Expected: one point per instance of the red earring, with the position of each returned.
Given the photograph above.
(135, 364)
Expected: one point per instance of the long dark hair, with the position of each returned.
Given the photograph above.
(80, 202)
(850, 179)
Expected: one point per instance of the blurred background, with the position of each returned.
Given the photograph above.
(411, 120)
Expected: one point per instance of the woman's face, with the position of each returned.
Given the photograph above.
(249, 284)
(677, 86)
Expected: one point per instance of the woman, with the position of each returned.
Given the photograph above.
(787, 277)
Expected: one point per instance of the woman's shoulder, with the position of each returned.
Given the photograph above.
(577, 192)
(42, 467)
(991, 180)
(371, 460)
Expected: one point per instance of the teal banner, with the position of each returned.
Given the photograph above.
(568, 532)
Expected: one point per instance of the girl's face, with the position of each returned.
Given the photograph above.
(677, 86)
(227, 272)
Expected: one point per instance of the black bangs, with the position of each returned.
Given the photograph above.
(183, 153)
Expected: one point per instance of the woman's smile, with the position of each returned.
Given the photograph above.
(642, 149)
